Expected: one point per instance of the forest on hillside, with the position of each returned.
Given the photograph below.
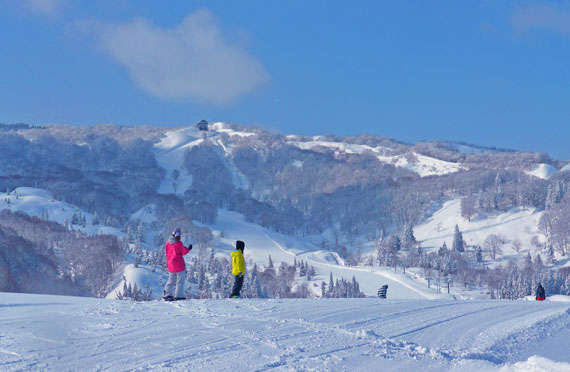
(113, 171)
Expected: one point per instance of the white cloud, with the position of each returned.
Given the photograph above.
(541, 16)
(192, 61)
(50, 8)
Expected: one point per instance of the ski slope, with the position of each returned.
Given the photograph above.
(544, 171)
(56, 333)
(260, 243)
(422, 165)
(35, 202)
(519, 223)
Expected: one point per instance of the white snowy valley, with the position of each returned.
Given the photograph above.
(416, 328)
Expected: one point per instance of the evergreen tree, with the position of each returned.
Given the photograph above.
(312, 271)
(442, 250)
(458, 244)
(74, 218)
(129, 234)
(528, 264)
(409, 238)
(538, 265)
(270, 264)
(550, 255)
(302, 269)
(139, 235)
(479, 254)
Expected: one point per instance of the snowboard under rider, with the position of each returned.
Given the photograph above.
(175, 252)
(540, 293)
(238, 268)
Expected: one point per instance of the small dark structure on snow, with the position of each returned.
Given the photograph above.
(202, 125)
(382, 292)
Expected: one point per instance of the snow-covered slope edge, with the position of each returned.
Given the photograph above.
(68, 334)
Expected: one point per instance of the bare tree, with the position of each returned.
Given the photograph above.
(493, 244)
(516, 245)
(468, 207)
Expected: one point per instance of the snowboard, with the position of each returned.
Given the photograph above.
(172, 298)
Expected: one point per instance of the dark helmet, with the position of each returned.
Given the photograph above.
(176, 233)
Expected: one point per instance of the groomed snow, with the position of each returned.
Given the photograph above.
(544, 171)
(56, 333)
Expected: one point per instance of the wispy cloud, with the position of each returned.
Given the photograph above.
(192, 61)
(50, 8)
(544, 16)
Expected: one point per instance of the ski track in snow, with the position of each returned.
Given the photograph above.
(53, 333)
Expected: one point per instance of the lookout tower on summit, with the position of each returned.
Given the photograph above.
(202, 125)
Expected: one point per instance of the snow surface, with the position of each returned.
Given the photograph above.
(169, 153)
(260, 243)
(56, 333)
(421, 164)
(544, 171)
(36, 202)
(518, 223)
(171, 149)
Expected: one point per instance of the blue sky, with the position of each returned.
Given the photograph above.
(486, 72)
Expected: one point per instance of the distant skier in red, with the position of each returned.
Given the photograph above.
(175, 252)
(540, 293)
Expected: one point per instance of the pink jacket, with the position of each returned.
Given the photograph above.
(175, 251)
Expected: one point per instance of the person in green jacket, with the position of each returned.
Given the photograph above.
(238, 268)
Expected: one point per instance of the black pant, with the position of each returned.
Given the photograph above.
(237, 285)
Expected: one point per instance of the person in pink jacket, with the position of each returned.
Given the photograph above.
(175, 252)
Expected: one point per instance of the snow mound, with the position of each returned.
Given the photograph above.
(142, 276)
(544, 171)
(565, 168)
(537, 364)
(558, 298)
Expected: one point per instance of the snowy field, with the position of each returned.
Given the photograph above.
(55, 333)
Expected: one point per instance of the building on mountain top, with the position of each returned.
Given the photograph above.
(202, 125)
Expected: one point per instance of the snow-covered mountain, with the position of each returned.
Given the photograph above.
(363, 207)
(323, 200)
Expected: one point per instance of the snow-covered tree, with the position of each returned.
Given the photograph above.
(458, 244)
